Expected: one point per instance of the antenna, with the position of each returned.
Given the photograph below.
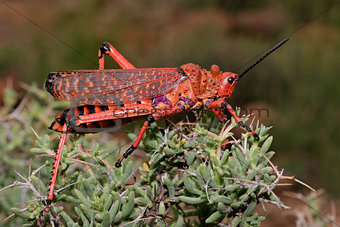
(283, 41)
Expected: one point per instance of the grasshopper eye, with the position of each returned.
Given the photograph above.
(231, 80)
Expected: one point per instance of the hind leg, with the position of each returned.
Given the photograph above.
(54, 175)
(107, 48)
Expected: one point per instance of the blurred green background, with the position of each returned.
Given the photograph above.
(299, 84)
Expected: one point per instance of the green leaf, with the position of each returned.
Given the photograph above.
(190, 158)
(127, 207)
(191, 200)
(266, 145)
(113, 211)
(108, 202)
(82, 198)
(236, 220)
(67, 218)
(214, 217)
(21, 213)
(106, 219)
(190, 185)
(250, 209)
(180, 221)
(161, 208)
(170, 186)
(222, 199)
(82, 216)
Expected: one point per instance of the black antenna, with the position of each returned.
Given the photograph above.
(266, 55)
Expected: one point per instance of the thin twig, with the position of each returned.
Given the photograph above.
(262, 200)
(298, 181)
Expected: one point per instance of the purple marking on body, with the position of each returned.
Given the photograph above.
(190, 102)
(161, 99)
(158, 100)
(187, 101)
(180, 105)
(207, 103)
(169, 103)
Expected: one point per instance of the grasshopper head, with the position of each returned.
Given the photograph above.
(227, 84)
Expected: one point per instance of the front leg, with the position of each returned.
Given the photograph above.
(217, 111)
(218, 105)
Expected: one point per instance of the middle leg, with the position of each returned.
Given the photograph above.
(151, 118)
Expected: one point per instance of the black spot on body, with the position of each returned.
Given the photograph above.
(80, 110)
(91, 108)
(64, 116)
(112, 123)
(182, 72)
(104, 108)
(95, 125)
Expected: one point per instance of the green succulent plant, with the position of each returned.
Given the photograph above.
(195, 174)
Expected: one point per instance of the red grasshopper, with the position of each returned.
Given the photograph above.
(133, 94)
